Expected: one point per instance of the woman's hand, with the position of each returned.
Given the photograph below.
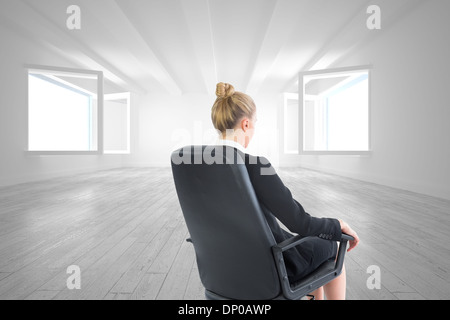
(345, 228)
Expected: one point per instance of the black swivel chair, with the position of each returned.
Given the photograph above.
(236, 253)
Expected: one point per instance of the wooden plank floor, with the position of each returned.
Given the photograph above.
(125, 231)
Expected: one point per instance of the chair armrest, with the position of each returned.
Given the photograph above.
(291, 243)
(295, 241)
(347, 237)
(305, 288)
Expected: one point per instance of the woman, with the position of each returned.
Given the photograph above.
(234, 116)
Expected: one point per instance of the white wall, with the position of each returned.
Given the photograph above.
(166, 122)
(410, 106)
(15, 165)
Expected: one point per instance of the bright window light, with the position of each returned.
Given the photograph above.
(62, 112)
(347, 112)
(336, 112)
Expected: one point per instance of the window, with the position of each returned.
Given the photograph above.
(291, 128)
(64, 112)
(117, 123)
(335, 111)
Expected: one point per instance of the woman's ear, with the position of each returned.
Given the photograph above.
(245, 124)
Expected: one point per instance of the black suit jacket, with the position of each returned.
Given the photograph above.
(277, 203)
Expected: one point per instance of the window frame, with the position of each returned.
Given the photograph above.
(100, 102)
(121, 96)
(286, 98)
(301, 98)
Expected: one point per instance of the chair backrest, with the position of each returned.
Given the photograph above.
(230, 234)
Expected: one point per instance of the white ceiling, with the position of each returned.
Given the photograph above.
(181, 46)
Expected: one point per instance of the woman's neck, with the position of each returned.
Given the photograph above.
(236, 137)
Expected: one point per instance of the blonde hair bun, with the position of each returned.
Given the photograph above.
(226, 113)
(224, 90)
